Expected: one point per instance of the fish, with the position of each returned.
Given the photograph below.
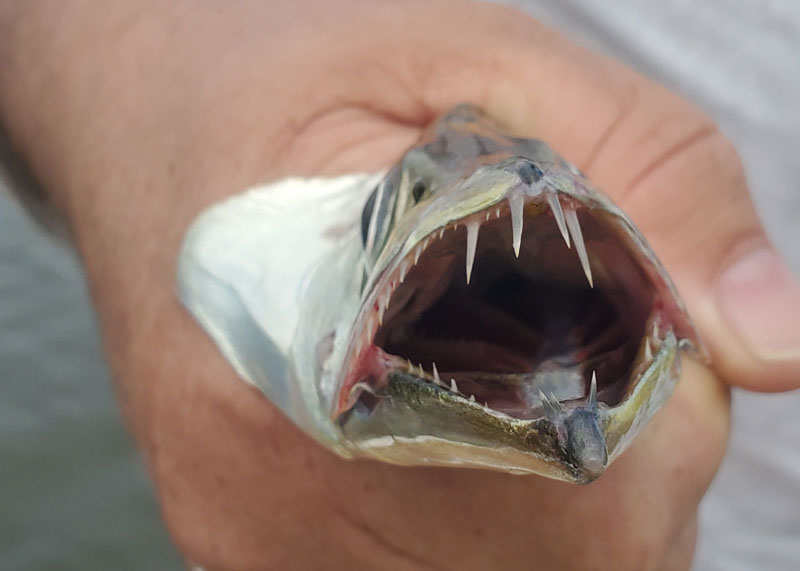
(481, 305)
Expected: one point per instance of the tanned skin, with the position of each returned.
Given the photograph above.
(134, 116)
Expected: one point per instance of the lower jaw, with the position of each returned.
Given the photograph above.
(413, 421)
(561, 386)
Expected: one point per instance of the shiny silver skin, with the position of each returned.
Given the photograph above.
(304, 284)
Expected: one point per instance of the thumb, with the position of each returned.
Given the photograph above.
(658, 157)
(696, 210)
(755, 307)
(683, 184)
(681, 181)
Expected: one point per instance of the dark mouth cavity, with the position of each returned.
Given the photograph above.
(523, 324)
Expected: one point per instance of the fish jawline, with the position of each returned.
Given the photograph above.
(369, 377)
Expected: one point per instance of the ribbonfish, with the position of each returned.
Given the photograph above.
(480, 305)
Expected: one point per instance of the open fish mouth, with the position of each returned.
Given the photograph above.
(540, 314)
(465, 308)
(497, 311)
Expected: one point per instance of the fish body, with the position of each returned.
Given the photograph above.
(479, 305)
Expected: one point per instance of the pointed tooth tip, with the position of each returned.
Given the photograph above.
(436, 372)
(453, 385)
(580, 246)
(472, 244)
(516, 204)
(558, 214)
(557, 406)
(543, 397)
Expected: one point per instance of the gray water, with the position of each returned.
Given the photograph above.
(73, 493)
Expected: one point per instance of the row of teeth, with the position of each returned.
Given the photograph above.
(566, 220)
(452, 387)
(385, 297)
(551, 404)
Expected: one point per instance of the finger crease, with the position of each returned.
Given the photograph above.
(414, 561)
(706, 131)
(624, 112)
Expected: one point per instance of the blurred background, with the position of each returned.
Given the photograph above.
(73, 493)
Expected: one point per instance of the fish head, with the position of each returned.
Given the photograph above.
(512, 317)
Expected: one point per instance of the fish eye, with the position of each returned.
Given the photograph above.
(418, 191)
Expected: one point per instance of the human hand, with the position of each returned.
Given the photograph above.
(220, 100)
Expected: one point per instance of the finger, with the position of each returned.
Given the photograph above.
(671, 169)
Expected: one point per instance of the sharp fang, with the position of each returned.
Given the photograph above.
(549, 409)
(421, 370)
(656, 330)
(487, 215)
(410, 366)
(441, 233)
(592, 400)
(453, 385)
(580, 245)
(516, 203)
(497, 212)
(552, 407)
(472, 244)
(558, 213)
(436, 374)
(417, 254)
(648, 351)
(471, 398)
(403, 271)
